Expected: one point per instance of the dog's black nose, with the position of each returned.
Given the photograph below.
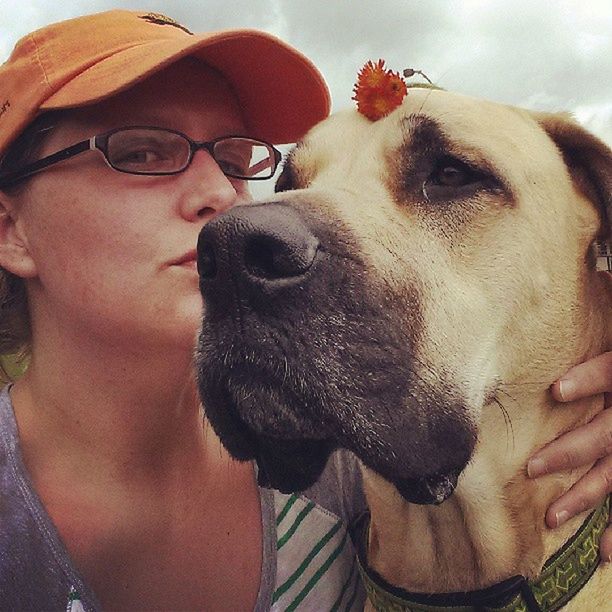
(265, 245)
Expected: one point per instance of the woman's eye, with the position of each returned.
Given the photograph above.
(139, 156)
(234, 167)
(146, 158)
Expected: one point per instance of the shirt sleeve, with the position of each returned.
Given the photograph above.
(340, 487)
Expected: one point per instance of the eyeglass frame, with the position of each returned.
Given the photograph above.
(100, 143)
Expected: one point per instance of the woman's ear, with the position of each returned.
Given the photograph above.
(15, 254)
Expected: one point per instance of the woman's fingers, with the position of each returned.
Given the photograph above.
(585, 379)
(578, 447)
(586, 444)
(584, 495)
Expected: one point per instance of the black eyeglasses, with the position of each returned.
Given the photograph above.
(159, 151)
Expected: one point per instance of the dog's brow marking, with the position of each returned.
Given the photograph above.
(286, 179)
(432, 132)
(425, 136)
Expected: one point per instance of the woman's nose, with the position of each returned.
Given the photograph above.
(207, 192)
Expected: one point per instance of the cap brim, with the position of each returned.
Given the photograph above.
(281, 92)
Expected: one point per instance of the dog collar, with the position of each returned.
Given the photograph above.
(562, 576)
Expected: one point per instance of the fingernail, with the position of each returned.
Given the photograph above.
(536, 467)
(561, 517)
(567, 388)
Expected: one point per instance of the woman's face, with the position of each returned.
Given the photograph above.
(113, 254)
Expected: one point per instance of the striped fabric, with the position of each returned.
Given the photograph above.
(316, 568)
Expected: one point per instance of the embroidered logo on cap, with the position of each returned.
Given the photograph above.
(159, 19)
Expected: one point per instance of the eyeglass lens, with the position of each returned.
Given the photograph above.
(145, 151)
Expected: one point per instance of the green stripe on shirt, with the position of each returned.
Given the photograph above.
(286, 509)
(317, 576)
(283, 588)
(298, 519)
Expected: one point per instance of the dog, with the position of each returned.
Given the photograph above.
(410, 294)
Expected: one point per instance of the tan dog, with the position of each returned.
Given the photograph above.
(411, 295)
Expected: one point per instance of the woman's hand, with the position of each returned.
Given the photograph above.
(591, 442)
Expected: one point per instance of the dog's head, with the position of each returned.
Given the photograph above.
(406, 269)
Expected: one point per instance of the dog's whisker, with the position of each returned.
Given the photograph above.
(425, 101)
(528, 383)
(507, 394)
(507, 421)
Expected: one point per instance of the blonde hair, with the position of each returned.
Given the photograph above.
(15, 330)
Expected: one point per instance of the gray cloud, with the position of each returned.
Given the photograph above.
(550, 55)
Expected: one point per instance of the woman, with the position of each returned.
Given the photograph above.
(115, 493)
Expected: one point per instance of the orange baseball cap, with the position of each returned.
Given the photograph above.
(87, 59)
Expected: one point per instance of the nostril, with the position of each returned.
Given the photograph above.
(205, 212)
(271, 257)
(207, 262)
(259, 257)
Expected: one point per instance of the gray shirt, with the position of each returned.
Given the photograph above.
(308, 560)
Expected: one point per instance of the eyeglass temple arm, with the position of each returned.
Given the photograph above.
(12, 177)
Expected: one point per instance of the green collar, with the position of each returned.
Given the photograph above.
(563, 575)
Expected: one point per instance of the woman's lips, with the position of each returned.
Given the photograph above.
(188, 260)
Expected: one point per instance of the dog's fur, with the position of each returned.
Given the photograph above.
(425, 330)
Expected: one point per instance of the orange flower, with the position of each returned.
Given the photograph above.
(378, 91)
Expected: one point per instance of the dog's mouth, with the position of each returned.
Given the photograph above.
(431, 490)
(256, 418)
(290, 435)
(291, 368)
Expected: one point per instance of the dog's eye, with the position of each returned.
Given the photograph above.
(453, 179)
(453, 173)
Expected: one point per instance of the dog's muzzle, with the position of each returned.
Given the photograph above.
(304, 350)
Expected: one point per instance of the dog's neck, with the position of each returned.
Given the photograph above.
(493, 526)
(490, 529)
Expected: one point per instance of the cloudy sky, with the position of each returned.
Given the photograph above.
(542, 54)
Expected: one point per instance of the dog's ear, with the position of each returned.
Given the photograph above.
(589, 160)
